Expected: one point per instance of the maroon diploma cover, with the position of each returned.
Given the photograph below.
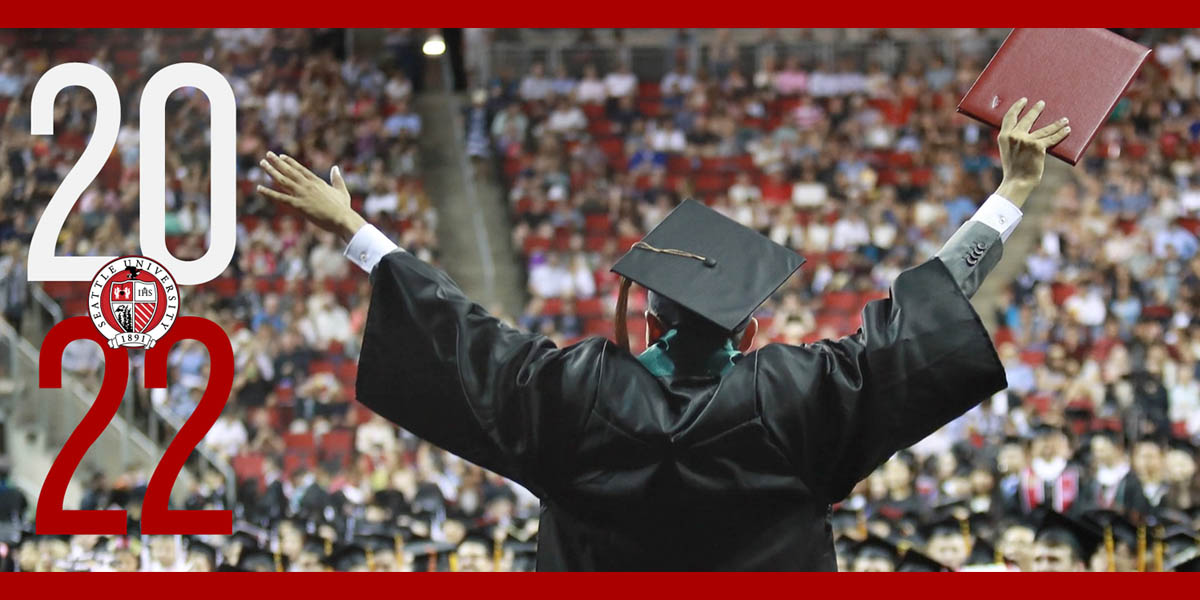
(1079, 72)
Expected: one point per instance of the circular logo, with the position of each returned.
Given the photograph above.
(133, 301)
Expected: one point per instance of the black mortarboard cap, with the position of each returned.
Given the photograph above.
(916, 562)
(947, 524)
(1167, 516)
(709, 264)
(259, 560)
(1084, 536)
(959, 508)
(197, 545)
(524, 555)
(1043, 428)
(876, 547)
(247, 534)
(1123, 531)
(1182, 443)
(982, 553)
(483, 534)
(315, 544)
(377, 539)
(347, 558)
(430, 556)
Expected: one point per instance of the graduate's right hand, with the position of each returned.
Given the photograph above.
(1022, 152)
(327, 206)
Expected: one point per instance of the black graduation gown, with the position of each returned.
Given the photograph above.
(640, 473)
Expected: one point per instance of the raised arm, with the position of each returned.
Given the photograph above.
(977, 246)
(438, 364)
(922, 357)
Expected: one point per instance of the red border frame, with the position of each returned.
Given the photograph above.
(551, 13)
(611, 13)
(602, 586)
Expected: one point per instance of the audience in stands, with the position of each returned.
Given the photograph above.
(859, 163)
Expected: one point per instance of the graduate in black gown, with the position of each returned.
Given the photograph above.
(699, 454)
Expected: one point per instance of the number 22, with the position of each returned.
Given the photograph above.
(156, 517)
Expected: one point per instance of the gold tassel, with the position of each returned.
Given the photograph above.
(454, 562)
(370, 559)
(278, 562)
(1110, 551)
(1141, 548)
(1159, 533)
(998, 557)
(398, 549)
(619, 319)
(965, 527)
(862, 524)
(328, 547)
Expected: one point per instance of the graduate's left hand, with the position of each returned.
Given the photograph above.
(327, 206)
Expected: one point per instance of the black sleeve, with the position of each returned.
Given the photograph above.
(842, 407)
(440, 366)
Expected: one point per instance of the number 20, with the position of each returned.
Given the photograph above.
(43, 265)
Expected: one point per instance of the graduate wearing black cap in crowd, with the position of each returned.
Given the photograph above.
(1050, 481)
(874, 555)
(701, 453)
(1064, 544)
(1111, 483)
(1119, 541)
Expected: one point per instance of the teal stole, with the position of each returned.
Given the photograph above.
(658, 360)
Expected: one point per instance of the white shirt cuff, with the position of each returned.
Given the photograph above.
(368, 247)
(999, 214)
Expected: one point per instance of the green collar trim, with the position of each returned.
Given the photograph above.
(657, 358)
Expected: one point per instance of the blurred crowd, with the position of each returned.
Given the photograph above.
(314, 470)
(867, 171)
(859, 163)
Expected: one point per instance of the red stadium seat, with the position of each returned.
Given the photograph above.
(512, 166)
(552, 306)
(601, 327)
(593, 111)
(649, 90)
(1179, 430)
(677, 163)
(299, 442)
(589, 307)
(285, 393)
(292, 462)
(1034, 358)
(711, 183)
(337, 445)
(347, 371)
(536, 244)
(776, 191)
(613, 147)
(248, 466)
(649, 108)
(595, 243)
(597, 223)
(600, 127)
(872, 295)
